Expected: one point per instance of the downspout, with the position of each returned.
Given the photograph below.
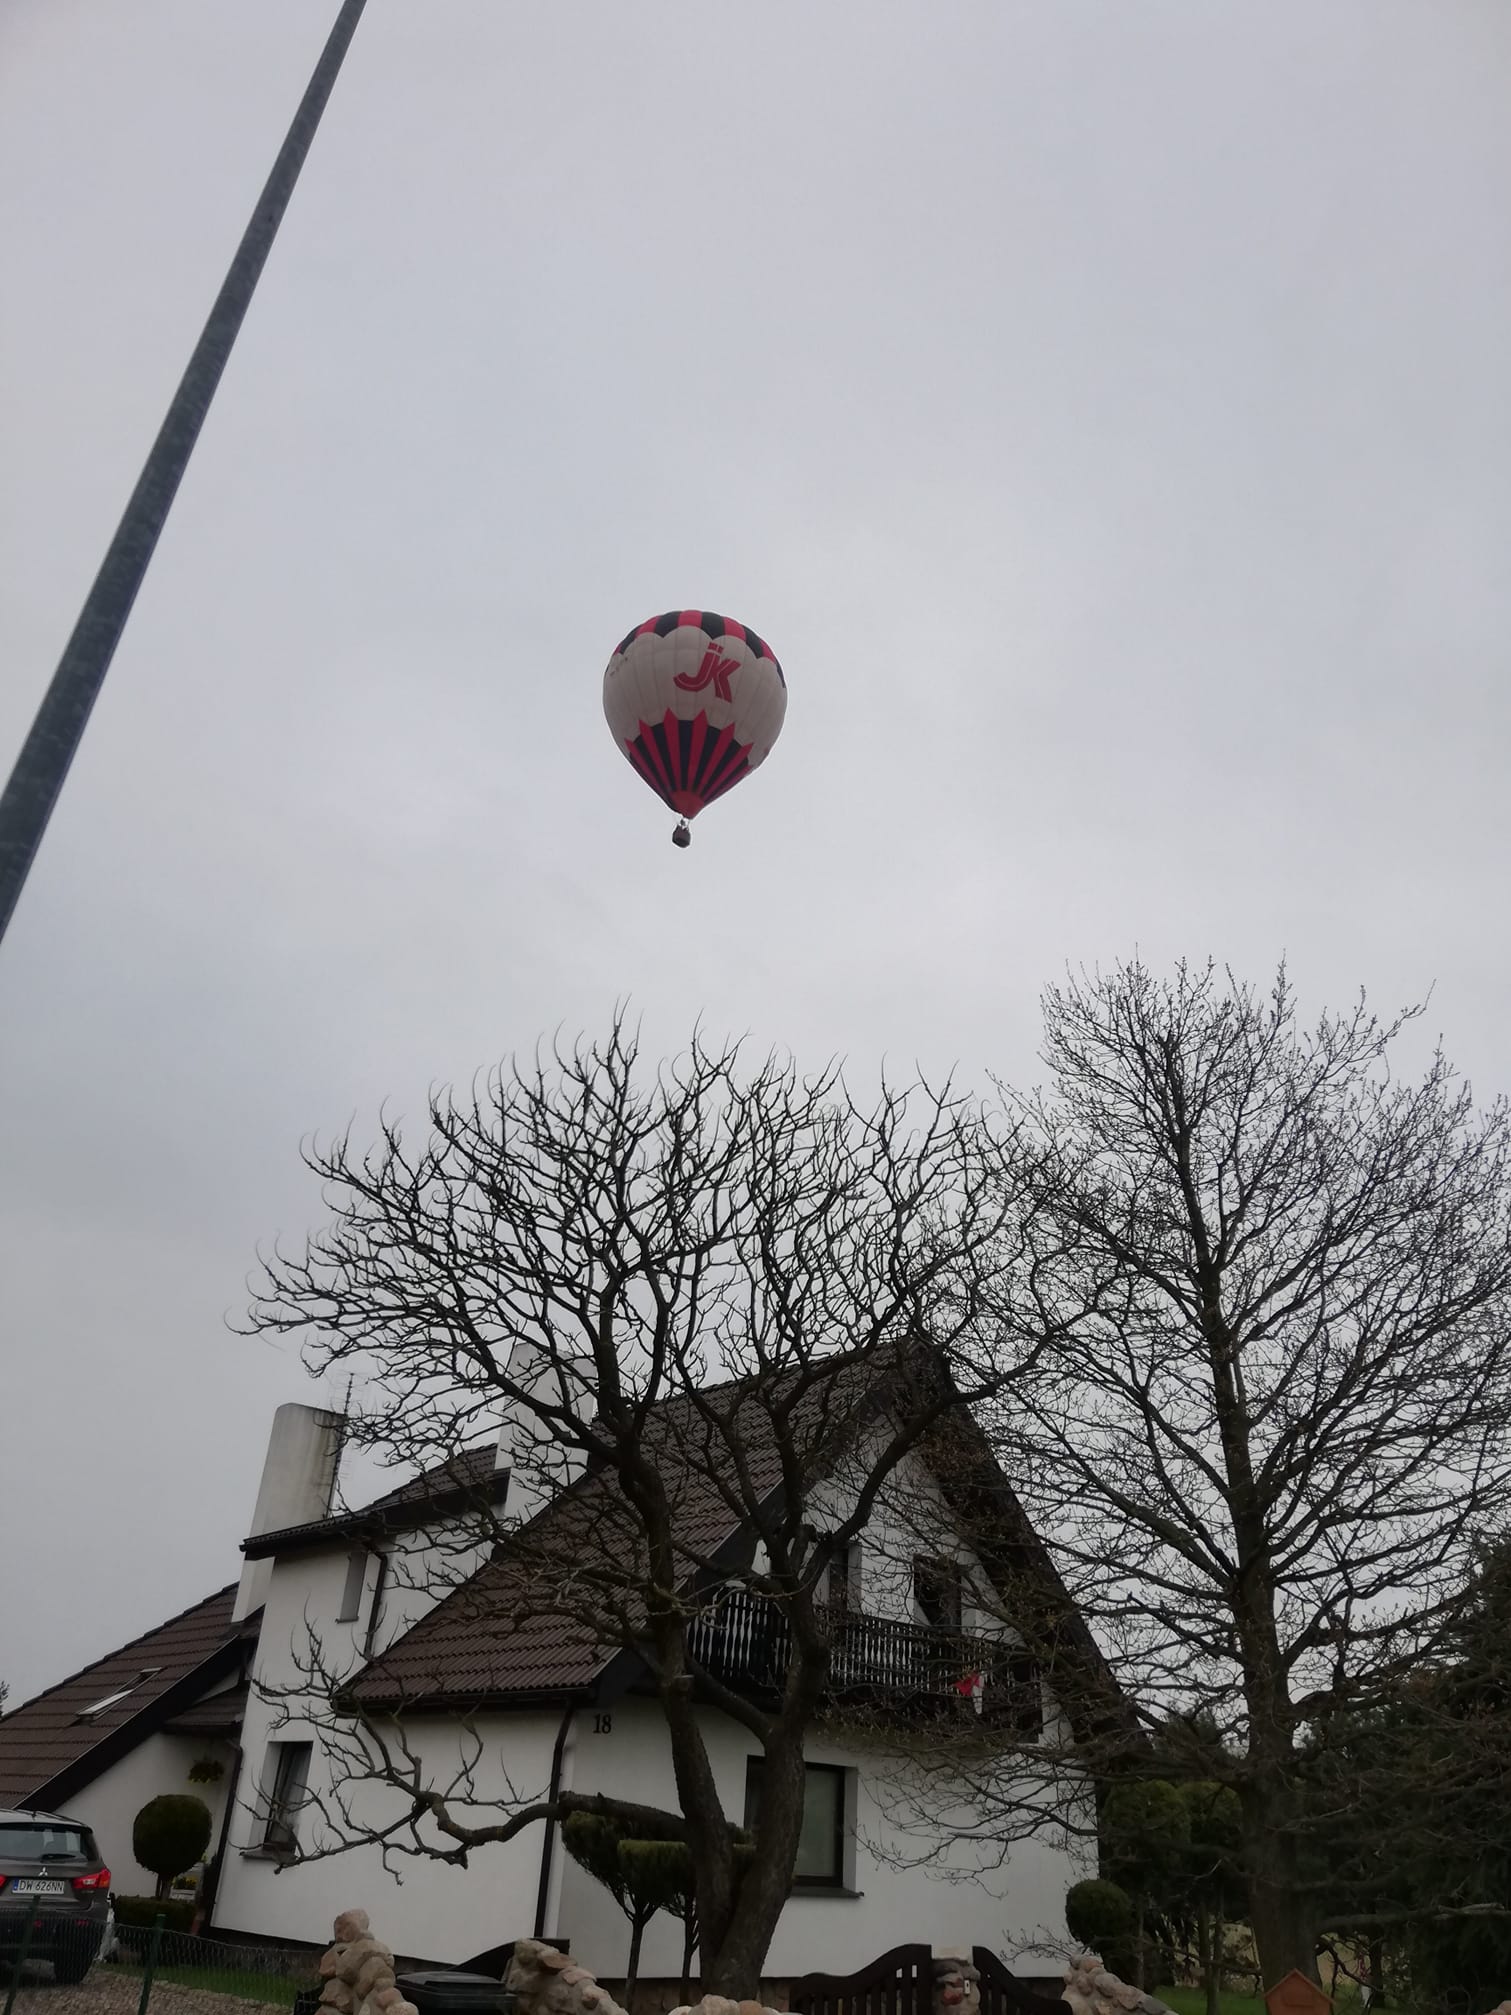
(549, 1843)
(225, 1829)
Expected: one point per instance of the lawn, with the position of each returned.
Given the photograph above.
(269, 1988)
(1193, 2001)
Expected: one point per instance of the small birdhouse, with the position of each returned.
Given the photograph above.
(1296, 1995)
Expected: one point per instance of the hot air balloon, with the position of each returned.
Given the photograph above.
(695, 701)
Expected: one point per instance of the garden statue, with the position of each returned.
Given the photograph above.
(957, 1985)
(1091, 1990)
(358, 1972)
(547, 1982)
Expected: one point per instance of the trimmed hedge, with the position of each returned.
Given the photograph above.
(169, 1834)
(1100, 1916)
(138, 1912)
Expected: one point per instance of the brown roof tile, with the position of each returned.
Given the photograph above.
(50, 1738)
(216, 1714)
(525, 1624)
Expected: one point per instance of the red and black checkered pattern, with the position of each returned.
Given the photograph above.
(711, 626)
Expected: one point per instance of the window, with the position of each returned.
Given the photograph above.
(822, 1845)
(356, 1578)
(45, 1840)
(843, 1590)
(110, 1700)
(284, 1777)
(1014, 1697)
(120, 1694)
(937, 1591)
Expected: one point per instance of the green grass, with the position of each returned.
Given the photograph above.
(265, 1987)
(1193, 2001)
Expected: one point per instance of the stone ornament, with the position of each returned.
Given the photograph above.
(957, 1985)
(1091, 1990)
(549, 1983)
(358, 1972)
(720, 2004)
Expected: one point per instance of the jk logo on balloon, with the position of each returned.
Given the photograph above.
(714, 670)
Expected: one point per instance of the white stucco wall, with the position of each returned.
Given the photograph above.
(445, 1913)
(432, 1910)
(110, 1804)
(911, 1517)
(953, 1901)
(423, 1909)
(304, 1591)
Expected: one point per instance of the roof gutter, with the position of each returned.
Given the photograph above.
(548, 1845)
(372, 1524)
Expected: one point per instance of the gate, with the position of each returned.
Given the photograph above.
(900, 1982)
(1003, 1993)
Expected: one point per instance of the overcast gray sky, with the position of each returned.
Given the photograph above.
(1102, 408)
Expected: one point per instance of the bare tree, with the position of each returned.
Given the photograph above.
(700, 1295)
(1277, 1414)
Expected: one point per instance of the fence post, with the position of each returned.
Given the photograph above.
(20, 1967)
(149, 1964)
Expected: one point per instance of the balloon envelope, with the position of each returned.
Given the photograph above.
(695, 701)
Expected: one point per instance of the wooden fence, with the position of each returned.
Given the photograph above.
(1003, 1993)
(901, 1982)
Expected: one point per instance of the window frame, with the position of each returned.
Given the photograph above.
(114, 1699)
(1017, 1680)
(948, 1578)
(283, 1798)
(842, 1583)
(840, 1882)
(355, 1586)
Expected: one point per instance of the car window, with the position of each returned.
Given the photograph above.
(45, 1843)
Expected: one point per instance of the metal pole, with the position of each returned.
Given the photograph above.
(149, 1967)
(55, 734)
(15, 1980)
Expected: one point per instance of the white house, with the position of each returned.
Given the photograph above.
(529, 1695)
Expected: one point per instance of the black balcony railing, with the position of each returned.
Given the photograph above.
(745, 1641)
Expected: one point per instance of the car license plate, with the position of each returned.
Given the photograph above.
(32, 1886)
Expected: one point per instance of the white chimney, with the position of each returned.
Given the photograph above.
(298, 1484)
(537, 1460)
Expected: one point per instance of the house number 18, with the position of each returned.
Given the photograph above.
(603, 1724)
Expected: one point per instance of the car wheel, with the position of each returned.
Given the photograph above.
(70, 1970)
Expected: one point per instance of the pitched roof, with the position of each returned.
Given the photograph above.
(523, 1627)
(215, 1714)
(52, 1745)
(450, 1485)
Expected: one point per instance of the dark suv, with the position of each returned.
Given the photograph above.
(52, 1877)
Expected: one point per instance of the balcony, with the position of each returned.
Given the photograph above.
(900, 1668)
